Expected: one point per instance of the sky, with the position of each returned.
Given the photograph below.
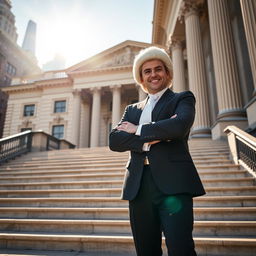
(79, 29)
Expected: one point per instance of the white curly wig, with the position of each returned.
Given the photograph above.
(150, 53)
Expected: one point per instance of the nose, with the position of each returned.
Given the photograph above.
(153, 73)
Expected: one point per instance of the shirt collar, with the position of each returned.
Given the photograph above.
(157, 95)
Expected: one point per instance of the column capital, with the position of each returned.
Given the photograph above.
(95, 89)
(77, 92)
(190, 7)
(175, 42)
(113, 87)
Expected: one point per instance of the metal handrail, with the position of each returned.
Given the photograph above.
(52, 143)
(243, 148)
(18, 144)
(15, 145)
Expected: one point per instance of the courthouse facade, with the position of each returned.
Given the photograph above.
(213, 48)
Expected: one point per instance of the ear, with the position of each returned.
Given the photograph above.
(143, 87)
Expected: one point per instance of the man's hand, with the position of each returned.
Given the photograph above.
(173, 116)
(154, 142)
(127, 127)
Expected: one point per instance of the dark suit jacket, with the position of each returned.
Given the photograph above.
(170, 162)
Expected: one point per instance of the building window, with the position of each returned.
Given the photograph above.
(59, 106)
(29, 110)
(58, 131)
(10, 69)
(7, 80)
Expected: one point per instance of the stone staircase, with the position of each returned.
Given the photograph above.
(68, 201)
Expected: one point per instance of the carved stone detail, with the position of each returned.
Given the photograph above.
(120, 59)
(58, 119)
(190, 7)
(175, 42)
(26, 123)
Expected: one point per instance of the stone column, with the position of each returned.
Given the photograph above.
(95, 122)
(85, 124)
(226, 70)
(76, 117)
(249, 16)
(116, 104)
(179, 81)
(248, 8)
(142, 94)
(196, 70)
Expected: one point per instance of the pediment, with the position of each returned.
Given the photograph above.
(120, 55)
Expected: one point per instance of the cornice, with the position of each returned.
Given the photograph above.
(157, 20)
(38, 85)
(53, 82)
(101, 70)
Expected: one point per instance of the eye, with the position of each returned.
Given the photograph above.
(147, 71)
(159, 69)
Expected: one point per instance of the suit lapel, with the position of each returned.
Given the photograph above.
(140, 107)
(166, 97)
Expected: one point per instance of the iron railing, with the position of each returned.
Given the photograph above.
(18, 144)
(52, 143)
(15, 145)
(243, 148)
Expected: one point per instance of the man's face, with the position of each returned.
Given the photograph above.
(154, 76)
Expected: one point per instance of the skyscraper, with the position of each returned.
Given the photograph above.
(29, 42)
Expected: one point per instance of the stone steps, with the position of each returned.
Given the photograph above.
(196, 156)
(111, 165)
(206, 201)
(65, 155)
(81, 160)
(68, 200)
(221, 157)
(106, 175)
(213, 183)
(91, 170)
(108, 213)
(121, 244)
(246, 190)
(114, 227)
(98, 183)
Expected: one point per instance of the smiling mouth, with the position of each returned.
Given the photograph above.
(155, 81)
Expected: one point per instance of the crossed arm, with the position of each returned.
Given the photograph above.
(132, 128)
(123, 137)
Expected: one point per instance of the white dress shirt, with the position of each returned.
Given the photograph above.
(146, 115)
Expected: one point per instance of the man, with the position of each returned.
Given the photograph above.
(161, 179)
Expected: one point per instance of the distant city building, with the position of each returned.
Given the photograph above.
(7, 21)
(58, 62)
(13, 60)
(29, 42)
